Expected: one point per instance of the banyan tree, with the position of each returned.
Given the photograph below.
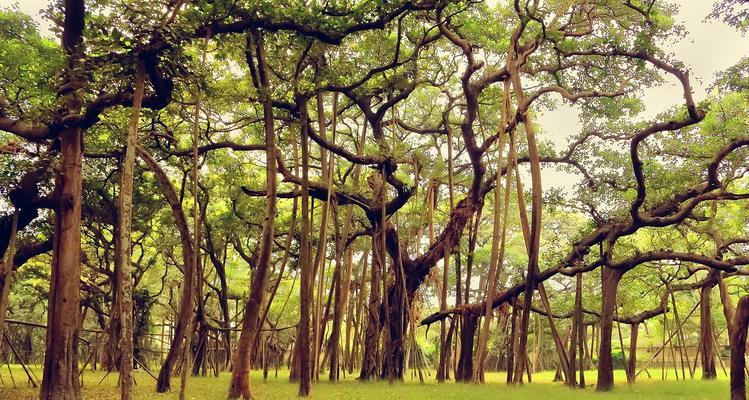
(368, 189)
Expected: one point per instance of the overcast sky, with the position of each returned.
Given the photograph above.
(709, 47)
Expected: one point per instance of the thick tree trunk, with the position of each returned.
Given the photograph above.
(6, 271)
(707, 350)
(609, 284)
(738, 350)
(399, 318)
(393, 367)
(469, 323)
(240, 381)
(60, 380)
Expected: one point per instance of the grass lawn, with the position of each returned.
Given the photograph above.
(542, 388)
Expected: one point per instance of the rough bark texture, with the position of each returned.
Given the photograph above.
(369, 366)
(707, 349)
(6, 270)
(464, 372)
(609, 283)
(302, 358)
(394, 356)
(738, 350)
(251, 323)
(125, 249)
(632, 360)
(60, 380)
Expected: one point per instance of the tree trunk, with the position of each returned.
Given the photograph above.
(372, 335)
(512, 342)
(302, 358)
(707, 350)
(609, 283)
(442, 368)
(326, 168)
(223, 295)
(738, 350)
(240, 383)
(341, 306)
(394, 357)
(575, 333)
(111, 352)
(200, 352)
(469, 323)
(359, 312)
(60, 380)
(398, 302)
(580, 328)
(125, 249)
(6, 271)
(632, 360)
(534, 234)
(163, 383)
(496, 261)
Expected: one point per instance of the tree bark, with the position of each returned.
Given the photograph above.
(496, 261)
(6, 271)
(738, 350)
(303, 356)
(533, 241)
(707, 350)
(580, 329)
(359, 313)
(240, 383)
(163, 384)
(512, 342)
(125, 249)
(632, 360)
(60, 380)
(111, 352)
(609, 284)
(469, 323)
(372, 335)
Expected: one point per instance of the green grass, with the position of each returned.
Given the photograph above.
(209, 388)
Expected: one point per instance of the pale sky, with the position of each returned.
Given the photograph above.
(709, 47)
